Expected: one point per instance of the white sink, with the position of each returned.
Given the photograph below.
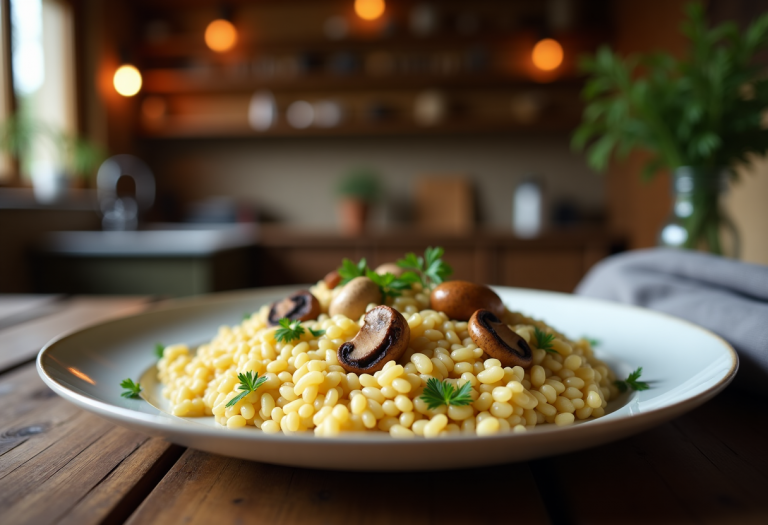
(165, 239)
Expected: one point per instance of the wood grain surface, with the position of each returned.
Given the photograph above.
(59, 464)
(21, 342)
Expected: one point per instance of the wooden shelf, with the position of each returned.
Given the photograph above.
(232, 80)
(481, 76)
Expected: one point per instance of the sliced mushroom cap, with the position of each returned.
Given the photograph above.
(301, 306)
(384, 337)
(354, 297)
(498, 340)
(332, 279)
(460, 299)
(389, 267)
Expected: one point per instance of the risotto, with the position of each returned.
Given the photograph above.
(305, 387)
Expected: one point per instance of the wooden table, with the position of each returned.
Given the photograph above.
(61, 465)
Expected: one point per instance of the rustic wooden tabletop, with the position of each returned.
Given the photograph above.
(59, 464)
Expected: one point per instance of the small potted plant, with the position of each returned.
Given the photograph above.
(357, 190)
(699, 116)
(51, 157)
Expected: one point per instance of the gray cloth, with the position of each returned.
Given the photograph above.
(725, 296)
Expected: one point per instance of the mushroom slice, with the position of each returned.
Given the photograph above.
(384, 337)
(301, 306)
(498, 341)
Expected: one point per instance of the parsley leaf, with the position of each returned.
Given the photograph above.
(131, 389)
(430, 270)
(249, 382)
(632, 382)
(288, 332)
(246, 317)
(317, 333)
(592, 342)
(391, 286)
(350, 270)
(159, 349)
(439, 393)
(544, 340)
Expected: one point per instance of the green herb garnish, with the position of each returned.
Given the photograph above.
(246, 317)
(430, 269)
(592, 342)
(350, 270)
(544, 340)
(317, 333)
(159, 349)
(439, 393)
(632, 382)
(249, 382)
(289, 331)
(391, 286)
(131, 389)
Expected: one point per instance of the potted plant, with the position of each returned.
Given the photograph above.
(51, 157)
(699, 116)
(358, 189)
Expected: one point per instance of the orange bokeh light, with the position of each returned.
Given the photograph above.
(127, 80)
(220, 35)
(547, 54)
(369, 9)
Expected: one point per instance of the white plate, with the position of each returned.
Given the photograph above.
(685, 364)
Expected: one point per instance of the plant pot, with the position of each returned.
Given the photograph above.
(353, 215)
(698, 220)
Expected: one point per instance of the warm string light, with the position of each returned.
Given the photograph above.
(369, 9)
(547, 54)
(127, 80)
(220, 35)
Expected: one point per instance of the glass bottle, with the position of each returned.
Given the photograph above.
(698, 220)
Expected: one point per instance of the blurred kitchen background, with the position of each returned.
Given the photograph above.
(260, 142)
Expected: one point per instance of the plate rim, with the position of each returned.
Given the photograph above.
(164, 422)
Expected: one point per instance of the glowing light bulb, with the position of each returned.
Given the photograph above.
(369, 9)
(220, 35)
(547, 54)
(127, 80)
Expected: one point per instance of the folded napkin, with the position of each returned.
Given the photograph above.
(725, 296)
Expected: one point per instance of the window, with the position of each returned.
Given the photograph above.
(41, 94)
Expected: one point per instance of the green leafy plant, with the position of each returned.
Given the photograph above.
(703, 111)
(438, 393)
(360, 183)
(632, 382)
(131, 389)
(21, 134)
(544, 340)
(249, 382)
(159, 349)
(431, 270)
(317, 333)
(287, 331)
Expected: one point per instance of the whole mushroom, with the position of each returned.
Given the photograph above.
(498, 340)
(383, 337)
(354, 297)
(301, 306)
(460, 299)
(332, 279)
(389, 267)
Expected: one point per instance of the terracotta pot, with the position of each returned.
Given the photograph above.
(353, 214)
